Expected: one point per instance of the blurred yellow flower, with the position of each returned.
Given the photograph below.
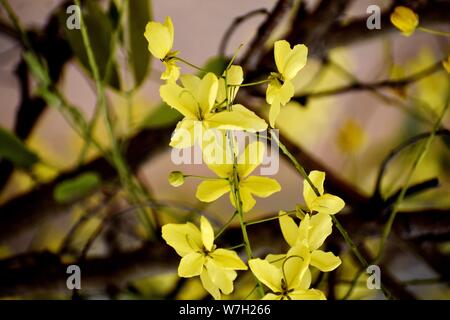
(289, 281)
(200, 256)
(160, 43)
(308, 237)
(405, 20)
(280, 89)
(212, 189)
(325, 203)
(351, 137)
(446, 64)
(195, 100)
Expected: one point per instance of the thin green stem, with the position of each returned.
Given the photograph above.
(288, 213)
(226, 225)
(190, 64)
(251, 83)
(435, 32)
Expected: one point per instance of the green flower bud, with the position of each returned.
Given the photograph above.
(176, 178)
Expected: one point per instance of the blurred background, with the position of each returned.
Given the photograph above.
(350, 133)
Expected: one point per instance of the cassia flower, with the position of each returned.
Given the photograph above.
(308, 237)
(212, 189)
(160, 43)
(280, 89)
(351, 137)
(325, 203)
(195, 100)
(234, 76)
(289, 279)
(404, 19)
(200, 256)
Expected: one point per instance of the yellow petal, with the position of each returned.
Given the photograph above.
(239, 118)
(294, 268)
(311, 294)
(317, 178)
(191, 83)
(260, 186)
(221, 277)
(235, 75)
(295, 62)
(321, 228)
(184, 238)
(207, 92)
(289, 229)
(180, 99)
(248, 202)
(303, 230)
(405, 20)
(172, 71)
(159, 37)
(208, 284)
(282, 50)
(267, 273)
(286, 92)
(251, 158)
(228, 259)
(324, 261)
(272, 91)
(271, 296)
(184, 135)
(305, 281)
(191, 265)
(207, 233)
(274, 112)
(328, 204)
(221, 170)
(210, 190)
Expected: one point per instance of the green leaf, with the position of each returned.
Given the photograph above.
(216, 65)
(14, 150)
(76, 188)
(138, 16)
(100, 30)
(163, 116)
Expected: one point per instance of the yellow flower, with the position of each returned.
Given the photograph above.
(405, 20)
(160, 43)
(446, 64)
(308, 237)
(290, 279)
(195, 100)
(212, 189)
(200, 257)
(234, 77)
(351, 137)
(325, 203)
(280, 89)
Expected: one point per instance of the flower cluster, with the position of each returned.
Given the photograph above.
(207, 102)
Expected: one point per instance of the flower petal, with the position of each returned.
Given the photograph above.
(207, 92)
(172, 71)
(295, 62)
(239, 118)
(248, 202)
(321, 228)
(328, 204)
(282, 50)
(274, 112)
(191, 265)
(324, 261)
(184, 238)
(311, 294)
(267, 273)
(180, 99)
(317, 178)
(221, 277)
(159, 37)
(191, 83)
(251, 158)
(228, 259)
(271, 296)
(210, 190)
(289, 229)
(208, 284)
(184, 134)
(260, 186)
(207, 233)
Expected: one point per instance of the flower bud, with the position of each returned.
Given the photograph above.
(405, 20)
(176, 178)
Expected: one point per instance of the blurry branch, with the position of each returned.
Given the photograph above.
(257, 46)
(359, 86)
(26, 211)
(234, 25)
